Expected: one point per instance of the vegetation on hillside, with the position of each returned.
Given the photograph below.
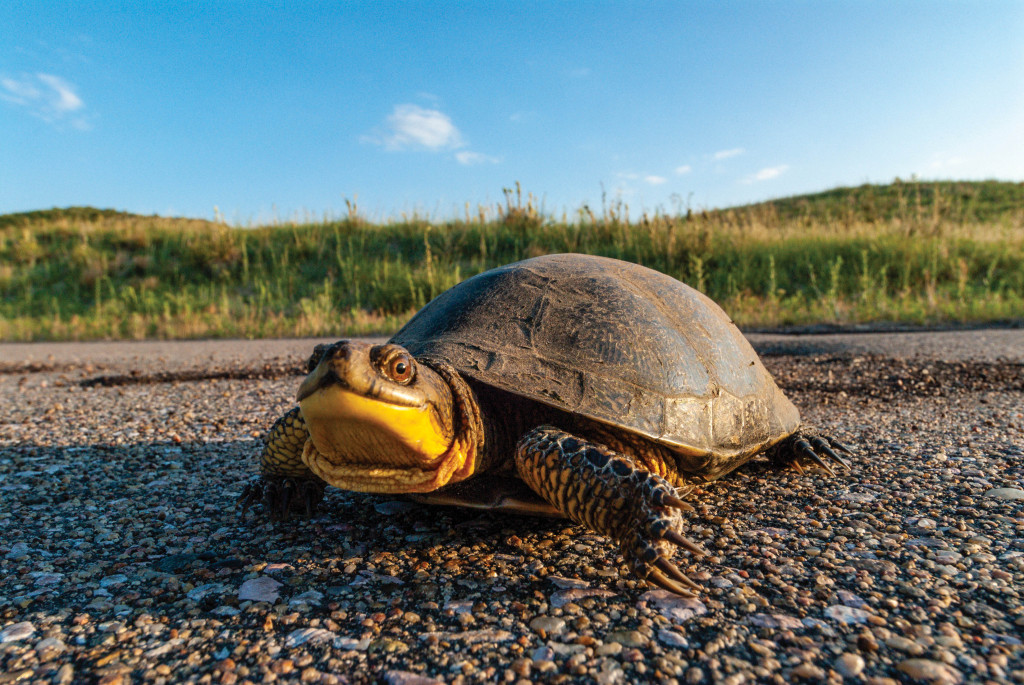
(910, 252)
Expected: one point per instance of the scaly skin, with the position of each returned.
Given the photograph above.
(284, 482)
(610, 494)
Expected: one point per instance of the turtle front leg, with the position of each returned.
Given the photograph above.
(607, 492)
(809, 444)
(284, 483)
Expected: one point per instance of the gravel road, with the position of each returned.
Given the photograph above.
(122, 559)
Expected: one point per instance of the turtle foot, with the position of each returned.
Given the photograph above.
(608, 492)
(282, 496)
(810, 445)
(654, 532)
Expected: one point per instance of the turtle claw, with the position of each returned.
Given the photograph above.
(280, 496)
(672, 571)
(657, 577)
(823, 445)
(687, 544)
(807, 444)
(805, 450)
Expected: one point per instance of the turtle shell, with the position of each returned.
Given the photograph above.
(614, 342)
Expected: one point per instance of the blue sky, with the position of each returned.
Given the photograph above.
(284, 110)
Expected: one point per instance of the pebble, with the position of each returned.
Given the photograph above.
(562, 597)
(849, 665)
(674, 607)
(548, 625)
(905, 645)
(409, 678)
(1005, 493)
(262, 589)
(775, 621)
(17, 631)
(846, 615)
(627, 638)
(672, 639)
(310, 635)
(934, 672)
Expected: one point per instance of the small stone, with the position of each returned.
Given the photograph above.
(672, 639)
(65, 674)
(409, 678)
(351, 644)
(849, 665)
(850, 599)
(934, 672)
(627, 638)
(547, 625)
(563, 597)
(846, 615)
(49, 648)
(1005, 493)
(387, 645)
(809, 672)
(262, 589)
(310, 635)
(902, 644)
(674, 607)
(609, 649)
(567, 583)
(17, 631)
(19, 550)
(775, 621)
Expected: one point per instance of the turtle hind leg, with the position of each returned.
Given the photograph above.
(607, 492)
(284, 485)
(810, 445)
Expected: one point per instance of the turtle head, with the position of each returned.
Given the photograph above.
(379, 421)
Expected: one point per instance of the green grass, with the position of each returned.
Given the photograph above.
(921, 253)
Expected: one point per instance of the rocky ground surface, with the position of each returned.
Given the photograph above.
(122, 559)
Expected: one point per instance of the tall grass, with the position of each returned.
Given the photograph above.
(918, 252)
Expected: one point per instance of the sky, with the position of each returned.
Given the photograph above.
(261, 111)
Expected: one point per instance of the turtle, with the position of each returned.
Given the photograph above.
(566, 385)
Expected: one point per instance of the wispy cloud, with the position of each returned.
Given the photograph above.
(726, 154)
(655, 180)
(684, 169)
(767, 174)
(469, 158)
(46, 97)
(413, 127)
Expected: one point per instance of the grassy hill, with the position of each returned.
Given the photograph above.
(916, 252)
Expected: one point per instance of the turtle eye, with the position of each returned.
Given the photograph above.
(400, 368)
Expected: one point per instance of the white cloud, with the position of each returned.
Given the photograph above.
(412, 126)
(655, 180)
(767, 174)
(726, 154)
(684, 169)
(45, 96)
(468, 158)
